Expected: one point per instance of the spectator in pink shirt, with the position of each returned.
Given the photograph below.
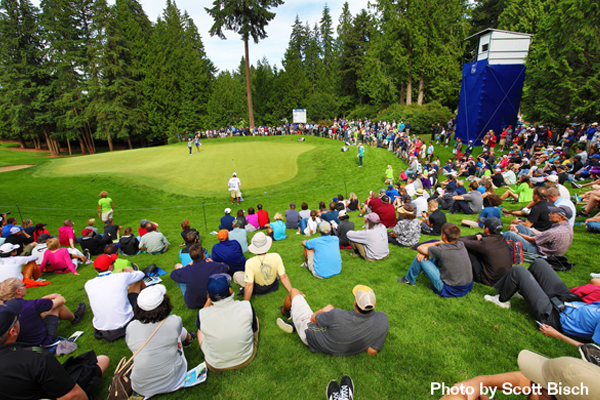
(59, 258)
(66, 235)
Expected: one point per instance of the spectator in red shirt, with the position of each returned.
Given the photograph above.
(263, 216)
(386, 212)
(492, 142)
(40, 229)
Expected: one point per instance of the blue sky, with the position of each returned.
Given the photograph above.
(226, 54)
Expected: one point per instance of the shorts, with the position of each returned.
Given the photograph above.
(51, 325)
(107, 215)
(310, 255)
(235, 193)
(301, 314)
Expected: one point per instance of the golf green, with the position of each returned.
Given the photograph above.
(172, 169)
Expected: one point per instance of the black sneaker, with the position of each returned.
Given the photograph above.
(240, 293)
(79, 313)
(404, 280)
(287, 314)
(187, 343)
(590, 352)
(333, 391)
(286, 326)
(346, 388)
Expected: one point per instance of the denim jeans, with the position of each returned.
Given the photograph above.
(593, 227)
(429, 268)
(527, 246)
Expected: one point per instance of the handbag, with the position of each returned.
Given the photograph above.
(120, 387)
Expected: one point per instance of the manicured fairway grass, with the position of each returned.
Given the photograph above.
(430, 339)
(171, 168)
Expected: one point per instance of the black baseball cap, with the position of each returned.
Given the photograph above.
(492, 223)
(9, 311)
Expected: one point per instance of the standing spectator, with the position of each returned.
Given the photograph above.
(234, 188)
(361, 153)
(105, 207)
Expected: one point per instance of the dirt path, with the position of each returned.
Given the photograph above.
(15, 167)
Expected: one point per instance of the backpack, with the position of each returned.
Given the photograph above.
(516, 252)
(559, 263)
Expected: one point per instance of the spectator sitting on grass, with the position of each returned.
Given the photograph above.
(66, 235)
(232, 348)
(554, 241)
(407, 231)
(488, 252)
(129, 243)
(39, 230)
(59, 259)
(185, 229)
(334, 331)
(195, 276)
(142, 229)
(227, 220)
(371, 243)
(470, 203)
(22, 240)
(292, 217)
(276, 229)
(39, 318)
(490, 211)
(252, 218)
(153, 242)
(13, 266)
(523, 192)
(90, 225)
(387, 212)
(228, 252)
(446, 264)
(263, 216)
(240, 235)
(344, 227)
(114, 231)
(322, 255)
(93, 244)
(112, 297)
(433, 220)
(262, 270)
(544, 292)
(240, 217)
(40, 375)
(535, 375)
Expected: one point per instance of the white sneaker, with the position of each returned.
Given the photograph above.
(285, 326)
(297, 233)
(518, 295)
(595, 275)
(304, 265)
(496, 300)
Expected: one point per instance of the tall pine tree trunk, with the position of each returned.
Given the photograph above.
(409, 91)
(81, 145)
(402, 90)
(129, 142)
(249, 86)
(421, 88)
(69, 146)
(49, 143)
(110, 143)
(22, 141)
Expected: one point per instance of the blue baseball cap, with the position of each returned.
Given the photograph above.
(218, 286)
